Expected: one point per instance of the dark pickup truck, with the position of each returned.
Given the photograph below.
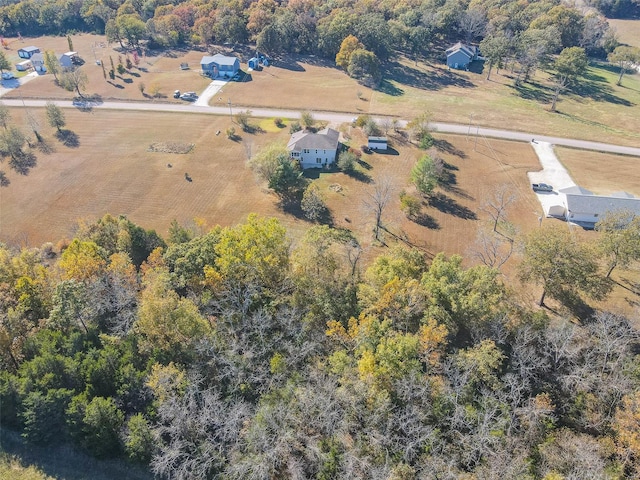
(541, 187)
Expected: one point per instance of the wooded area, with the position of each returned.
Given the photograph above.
(230, 354)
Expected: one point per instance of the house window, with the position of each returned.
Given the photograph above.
(306, 150)
(318, 160)
(595, 215)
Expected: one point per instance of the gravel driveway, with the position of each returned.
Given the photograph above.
(209, 92)
(552, 173)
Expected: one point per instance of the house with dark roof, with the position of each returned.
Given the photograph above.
(314, 150)
(461, 55)
(581, 206)
(219, 66)
(27, 52)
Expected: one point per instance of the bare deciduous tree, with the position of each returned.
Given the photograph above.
(376, 202)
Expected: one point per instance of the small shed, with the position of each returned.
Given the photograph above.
(23, 66)
(253, 63)
(377, 143)
(27, 52)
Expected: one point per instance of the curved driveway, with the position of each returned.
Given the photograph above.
(333, 117)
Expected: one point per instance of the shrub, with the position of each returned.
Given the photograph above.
(409, 204)
(347, 161)
(278, 122)
(295, 127)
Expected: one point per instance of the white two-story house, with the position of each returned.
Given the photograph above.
(314, 150)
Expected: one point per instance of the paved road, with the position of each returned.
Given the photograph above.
(337, 118)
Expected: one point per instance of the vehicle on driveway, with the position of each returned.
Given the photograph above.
(8, 76)
(189, 96)
(176, 94)
(541, 187)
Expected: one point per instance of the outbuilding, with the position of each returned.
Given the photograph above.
(377, 143)
(254, 63)
(27, 52)
(23, 66)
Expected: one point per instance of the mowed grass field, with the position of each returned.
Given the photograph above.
(602, 173)
(628, 30)
(596, 109)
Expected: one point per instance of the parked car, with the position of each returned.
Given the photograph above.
(541, 187)
(189, 96)
(8, 76)
(176, 94)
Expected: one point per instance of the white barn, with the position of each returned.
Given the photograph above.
(314, 150)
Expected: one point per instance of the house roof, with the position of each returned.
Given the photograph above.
(37, 57)
(30, 49)
(468, 50)
(575, 190)
(219, 59)
(378, 139)
(326, 139)
(596, 204)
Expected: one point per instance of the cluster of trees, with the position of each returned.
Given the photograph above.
(18, 147)
(230, 354)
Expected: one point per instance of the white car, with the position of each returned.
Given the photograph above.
(8, 76)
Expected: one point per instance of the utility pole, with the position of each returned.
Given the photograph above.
(469, 130)
(477, 132)
(230, 112)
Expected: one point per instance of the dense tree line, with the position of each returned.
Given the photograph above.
(415, 27)
(233, 354)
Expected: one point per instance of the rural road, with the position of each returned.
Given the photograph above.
(333, 117)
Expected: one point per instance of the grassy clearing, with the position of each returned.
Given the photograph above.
(22, 461)
(628, 30)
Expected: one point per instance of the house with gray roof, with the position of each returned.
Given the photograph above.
(37, 61)
(219, 66)
(581, 206)
(461, 55)
(314, 150)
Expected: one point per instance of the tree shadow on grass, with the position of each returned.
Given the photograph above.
(390, 89)
(359, 176)
(45, 147)
(449, 206)
(426, 220)
(598, 91)
(432, 79)
(23, 163)
(447, 147)
(4, 181)
(364, 164)
(68, 138)
(534, 91)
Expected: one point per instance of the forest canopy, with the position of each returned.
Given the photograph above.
(234, 354)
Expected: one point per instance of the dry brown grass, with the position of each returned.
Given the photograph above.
(628, 30)
(112, 171)
(601, 110)
(602, 173)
